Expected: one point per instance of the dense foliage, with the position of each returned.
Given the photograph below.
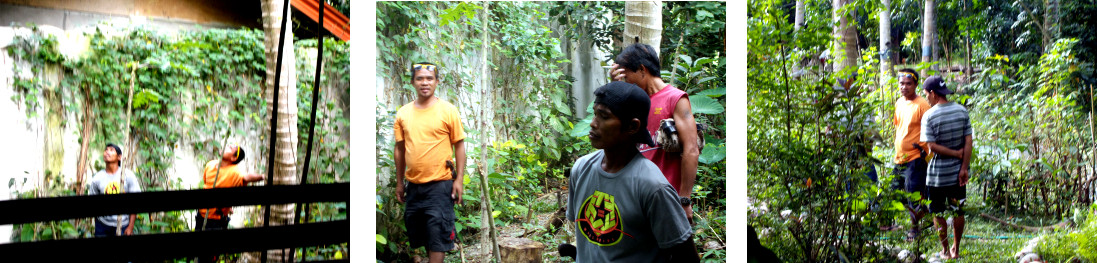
(534, 132)
(1027, 87)
(191, 89)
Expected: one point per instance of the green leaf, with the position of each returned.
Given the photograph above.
(713, 93)
(582, 128)
(687, 59)
(27, 234)
(702, 15)
(712, 154)
(896, 205)
(145, 96)
(705, 105)
(381, 239)
(702, 61)
(707, 79)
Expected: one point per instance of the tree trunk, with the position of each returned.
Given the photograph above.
(800, 14)
(53, 146)
(929, 32)
(1051, 23)
(967, 43)
(520, 250)
(643, 20)
(885, 41)
(487, 223)
(285, 157)
(86, 137)
(845, 34)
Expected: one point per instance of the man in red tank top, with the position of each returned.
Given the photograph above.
(639, 64)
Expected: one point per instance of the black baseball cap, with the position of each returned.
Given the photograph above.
(936, 84)
(626, 101)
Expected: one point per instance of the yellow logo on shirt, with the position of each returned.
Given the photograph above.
(599, 220)
(657, 110)
(113, 188)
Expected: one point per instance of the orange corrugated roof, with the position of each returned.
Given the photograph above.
(334, 21)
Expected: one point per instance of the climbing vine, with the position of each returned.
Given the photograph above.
(191, 90)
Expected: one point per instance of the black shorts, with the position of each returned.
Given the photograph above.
(210, 224)
(913, 175)
(947, 198)
(429, 216)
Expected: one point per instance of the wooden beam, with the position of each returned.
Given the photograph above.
(157, 247)
(334, 21)
(61, 208)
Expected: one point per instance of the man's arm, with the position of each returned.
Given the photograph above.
(399, 159)
(687, 135)
(967, 160)
(133, 221)
(254, 178)
(942, 150)
(459, 181)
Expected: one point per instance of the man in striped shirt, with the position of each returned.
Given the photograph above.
(946, 129)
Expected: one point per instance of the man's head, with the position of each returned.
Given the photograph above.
(424, 77)
(620, 116)
(908, 83)
(233, 154)
(112, 153)
(936, 90)
(641, 63)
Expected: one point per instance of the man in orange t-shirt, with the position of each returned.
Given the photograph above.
(910, 162)
(428, 134)
(222, 173)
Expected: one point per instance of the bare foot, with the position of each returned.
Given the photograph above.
(944, 255)
(955, 251)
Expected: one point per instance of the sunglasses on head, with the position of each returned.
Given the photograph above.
(906, 75)
(423, 66)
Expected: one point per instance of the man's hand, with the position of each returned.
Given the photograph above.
(400, 193)
(963, 177)
(458, 188)
(617, 73)
(129, 228)
(689, 212)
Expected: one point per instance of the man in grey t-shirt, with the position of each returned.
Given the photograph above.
(110, 181)
(946, 129)
(623, 208)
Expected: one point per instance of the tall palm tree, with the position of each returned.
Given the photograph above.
(929, 31)
(799, 15)
(885, 40)
(285, 157)
(644, 20)
(845, 34)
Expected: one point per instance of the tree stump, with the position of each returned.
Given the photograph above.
(520, 250)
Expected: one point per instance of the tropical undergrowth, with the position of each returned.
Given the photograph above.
(191, 90)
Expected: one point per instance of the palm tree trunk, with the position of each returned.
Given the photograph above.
(845, 38)
(800, 15)
(885, 41)
(929, 32)
(643, 20)
(285, 155)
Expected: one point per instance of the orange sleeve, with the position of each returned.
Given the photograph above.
(237, 176)
(457, 131)
(397, 130)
